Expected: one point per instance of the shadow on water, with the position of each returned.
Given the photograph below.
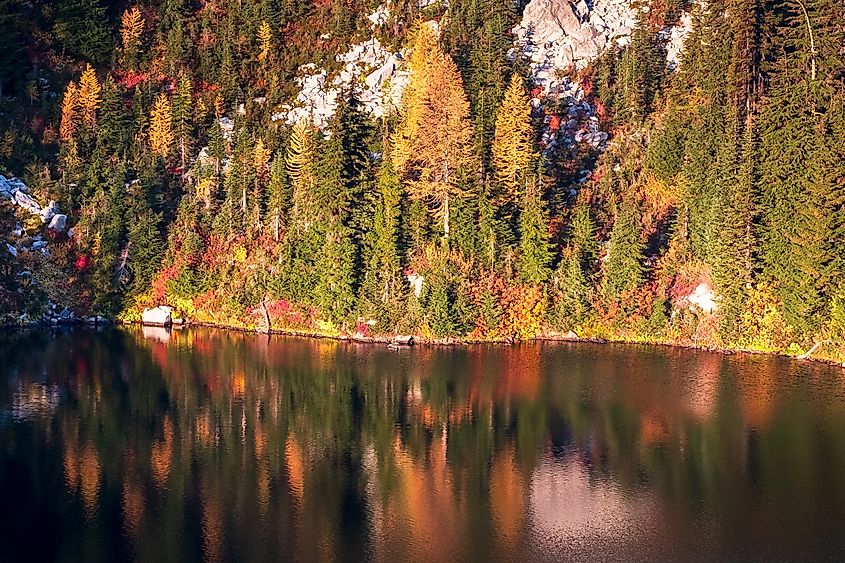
(212, 445)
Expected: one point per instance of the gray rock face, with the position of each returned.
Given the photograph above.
(27, 202)
(58, 222)
(49, 211)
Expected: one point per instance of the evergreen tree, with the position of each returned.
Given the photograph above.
(83, 29)
(278, 196)
(623, 269)
(182, 121)
(535, 257)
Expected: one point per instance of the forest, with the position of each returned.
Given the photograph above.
(173, 135)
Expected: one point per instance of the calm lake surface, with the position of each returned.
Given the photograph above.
(214, 445)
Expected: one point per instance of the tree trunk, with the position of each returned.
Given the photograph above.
(446, 216)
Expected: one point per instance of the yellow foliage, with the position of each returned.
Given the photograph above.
(524, 312)
(161, 127)
(89, 96)
(264, 40)
(513, 146)
(433, 146)
(71, 157)
(423, 58)
(260, 158)
(70, 115)
(299, 161)
(240, 253)
(762, 324)
(131, 27)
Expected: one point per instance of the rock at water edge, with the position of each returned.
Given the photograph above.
(157, 316)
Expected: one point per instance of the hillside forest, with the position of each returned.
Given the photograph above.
(710, 214)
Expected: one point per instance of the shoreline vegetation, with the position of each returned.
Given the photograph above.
(420, 340)
(164, 156)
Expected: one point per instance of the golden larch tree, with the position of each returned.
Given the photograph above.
(439, 157)
(265, 38)
(513, 144)
(424, 57)
(161, 127)
(89, 96)
(131, 27)
(299, 161)
(70, 112)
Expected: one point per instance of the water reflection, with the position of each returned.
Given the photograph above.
(212, 445)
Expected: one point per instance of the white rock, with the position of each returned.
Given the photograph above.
(675, 41)
(12, 250)
(27, 202)
(704, 298)
(59, 222)
(416, 282)
(157, 316)
(49, 211)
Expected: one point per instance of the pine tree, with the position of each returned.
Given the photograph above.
(82, 28)
(182, 121)
(12, 61)
(535, 257)
(111, 124)
(623, 269)
(278, 195)
(384, 286)
(161, 127)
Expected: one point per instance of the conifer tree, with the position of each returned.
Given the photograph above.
(300, 163)
(89, 97)
(82, 28)
(383, 284)
(131, 28)
(182, 121)
(264, 40)
(423, 60)
(260, 170)
(161, 127)
(439, 136)
(623, 269)
(278, 195)
(535, 257)
(513, 145)
(111, 124)
(70, 112)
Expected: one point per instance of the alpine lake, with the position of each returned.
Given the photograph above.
(200, 444)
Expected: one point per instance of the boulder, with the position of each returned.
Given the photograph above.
(27, 202)
(704, 298)
(157, 316)
(58, 222)
(49, 211)
(12, 250)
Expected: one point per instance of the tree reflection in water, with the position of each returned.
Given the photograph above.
(214, 445)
